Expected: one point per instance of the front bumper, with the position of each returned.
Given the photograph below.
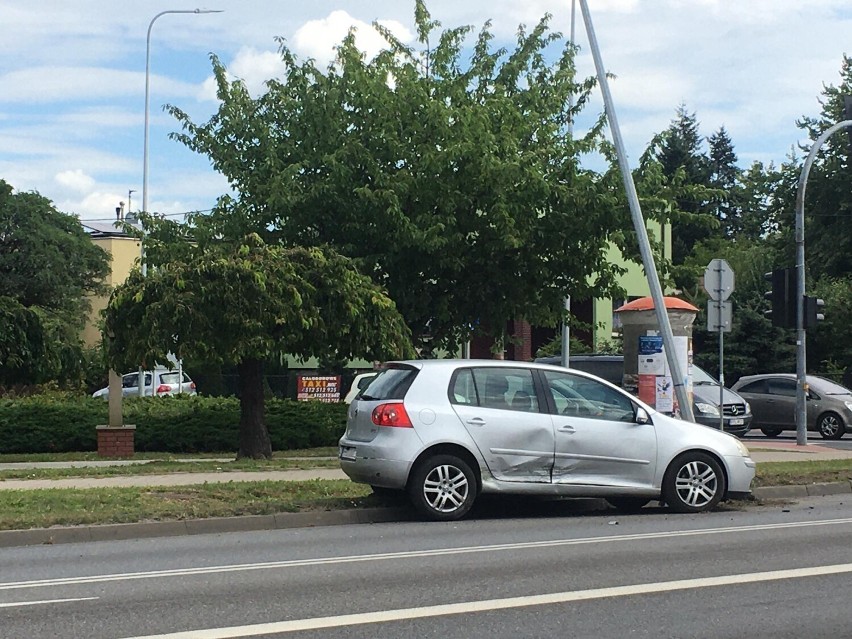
(740, 475)
(738, 426)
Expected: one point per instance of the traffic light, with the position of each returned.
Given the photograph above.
(813, 306)
(782, 296)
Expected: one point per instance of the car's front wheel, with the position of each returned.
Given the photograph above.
(694, 482)
(830, 426)
(442, 488)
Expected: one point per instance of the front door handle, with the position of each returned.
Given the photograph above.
(567, 428)
(476, 421)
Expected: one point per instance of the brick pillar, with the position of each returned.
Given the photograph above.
(116, 441)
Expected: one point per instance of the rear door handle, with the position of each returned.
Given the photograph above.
(476, 421)
(567, 428)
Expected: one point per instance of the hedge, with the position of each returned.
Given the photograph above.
(54, 423)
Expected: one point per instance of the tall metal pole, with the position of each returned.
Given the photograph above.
(147, 94)
(639, 225)
(566, 327)
(141, 385)
(801, 372)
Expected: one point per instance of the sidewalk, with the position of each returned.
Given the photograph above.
(768, 451)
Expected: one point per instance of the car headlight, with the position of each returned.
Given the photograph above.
(748, 408)
(848, 405)
(707, 409)
(742, 448)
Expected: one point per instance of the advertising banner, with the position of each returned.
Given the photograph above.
(321, 388)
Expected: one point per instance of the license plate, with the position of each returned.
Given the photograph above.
(737, 422)
(347, 453)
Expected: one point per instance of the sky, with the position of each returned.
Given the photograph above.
(72, 77)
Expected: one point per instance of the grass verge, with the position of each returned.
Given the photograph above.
(802, 472)
(22, 509)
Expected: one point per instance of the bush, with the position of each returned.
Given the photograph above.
(59, 422)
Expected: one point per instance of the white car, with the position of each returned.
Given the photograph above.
(445, 431)
(361, 381)
(158, 383)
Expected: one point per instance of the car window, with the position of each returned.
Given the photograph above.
(584, 397)
(501, 388)
(391, 383)
(131, 380)
(753, 387)
(785, 387)
(365, 381)
(169, 378)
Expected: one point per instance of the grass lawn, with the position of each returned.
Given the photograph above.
(21, 509)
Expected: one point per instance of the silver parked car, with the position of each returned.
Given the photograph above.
(158, 383)
(445, 431)
(773, 403)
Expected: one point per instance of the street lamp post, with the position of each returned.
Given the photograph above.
(145, 145)
(147, 93)
(801, 371)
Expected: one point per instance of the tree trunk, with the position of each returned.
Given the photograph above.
(254, 437)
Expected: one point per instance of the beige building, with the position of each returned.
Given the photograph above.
(124, 252)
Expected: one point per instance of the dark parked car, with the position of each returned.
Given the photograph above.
(773, 402)
(705, 391)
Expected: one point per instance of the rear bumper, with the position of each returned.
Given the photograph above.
(372, 465)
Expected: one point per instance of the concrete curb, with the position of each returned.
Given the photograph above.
(809, 490)
(280, 521)
(214, 525)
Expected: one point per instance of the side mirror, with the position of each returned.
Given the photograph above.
(642, 416)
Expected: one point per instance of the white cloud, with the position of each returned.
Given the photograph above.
(75, 180)
(63, 84)
(251, 66)
(317, 38)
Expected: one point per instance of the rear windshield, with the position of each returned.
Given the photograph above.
(391, 383)
(172, 378)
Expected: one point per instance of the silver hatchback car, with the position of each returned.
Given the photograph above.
(445, 431)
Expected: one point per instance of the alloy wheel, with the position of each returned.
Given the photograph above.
(696, 484)
(446, 488)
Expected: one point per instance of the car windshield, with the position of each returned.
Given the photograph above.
(701, 377)
(827, 387)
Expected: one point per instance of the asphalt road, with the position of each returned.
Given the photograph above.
(545, 571)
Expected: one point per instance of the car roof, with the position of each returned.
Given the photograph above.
(452, 364)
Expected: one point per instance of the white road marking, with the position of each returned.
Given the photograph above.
(382, 616)
(413, 554)
(18, 604)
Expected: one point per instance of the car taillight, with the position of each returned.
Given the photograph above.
(163, 388)
(391, 415)
(192, 385)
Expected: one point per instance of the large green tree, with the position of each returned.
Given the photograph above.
(445, 169)
(828, 205)
(241, 301)
(48, 266)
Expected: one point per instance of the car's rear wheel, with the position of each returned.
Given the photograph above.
(770, 432)
(831, 426)
(694, 482)
(442, 488)
(628, 504)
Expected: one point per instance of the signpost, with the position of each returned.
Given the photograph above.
(719, 284)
